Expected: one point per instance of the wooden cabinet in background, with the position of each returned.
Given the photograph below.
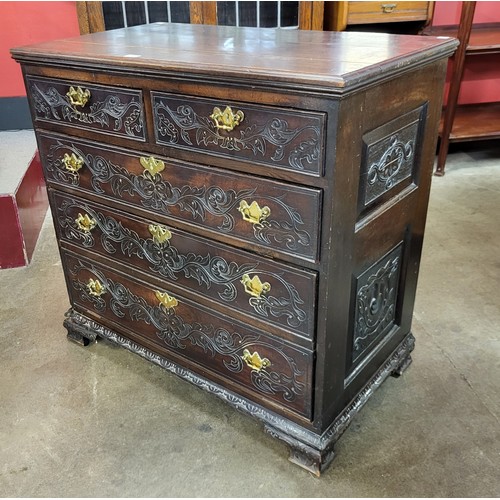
(467, 122)
(339, 15)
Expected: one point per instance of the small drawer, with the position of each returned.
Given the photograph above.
(259, 211)
(386, 12)
(290, 140)
(267, 366)
(268, 290)
(111, 110)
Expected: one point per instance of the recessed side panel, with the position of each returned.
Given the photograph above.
(375, 307)
(390, 158)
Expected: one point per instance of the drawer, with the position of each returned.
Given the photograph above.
(267, 366)
(271, 214)
(386, 12)
(285, 139)
(265, 289)
(112, 110)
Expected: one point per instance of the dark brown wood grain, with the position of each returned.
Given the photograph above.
(189, 194)
(342, 237)
(200, 268)
(297, 57)
(195, 332)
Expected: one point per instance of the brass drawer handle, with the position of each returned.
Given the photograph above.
(95, 288)
(160, 234)
(72, 163)
(253, 213)
(254, 361)
(152, 165)
(166, 300)
(85, 223)
(387, 8)
(78, 96)
(255, 287)
(227, 119)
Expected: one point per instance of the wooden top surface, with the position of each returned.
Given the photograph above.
(297, 57)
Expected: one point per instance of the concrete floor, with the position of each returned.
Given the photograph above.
(103, 422)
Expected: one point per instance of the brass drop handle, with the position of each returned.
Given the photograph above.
(85, 223)
(152, 165)
(78, 96)
(253, 213)
(95, 288)
(254, 286)
(72, 163)
(227, 119)
(160, 234)
(166, 300)
(387, 8)
(254, 361)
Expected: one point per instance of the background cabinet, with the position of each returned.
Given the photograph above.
(103, 16)
(344, 15)
(467, 122)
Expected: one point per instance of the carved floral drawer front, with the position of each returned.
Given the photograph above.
(267, 366)
(291, 140)
(113, 110)
(263, 288)
(268, 213)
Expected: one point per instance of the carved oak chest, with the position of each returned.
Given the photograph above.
(244, 207)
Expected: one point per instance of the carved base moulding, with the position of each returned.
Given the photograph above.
(313, 452)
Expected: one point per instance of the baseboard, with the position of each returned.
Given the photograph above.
(15, 114)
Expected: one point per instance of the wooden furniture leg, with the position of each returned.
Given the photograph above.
(466, 18)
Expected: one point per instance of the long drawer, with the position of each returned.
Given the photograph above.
(280, 138)
(270, 367)
(270, 214)
(111, 110)
(268, 290)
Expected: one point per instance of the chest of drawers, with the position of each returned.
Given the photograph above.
(244, 207)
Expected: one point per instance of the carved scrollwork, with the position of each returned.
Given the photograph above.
(160, 195)
(275, 425)
(177, 334)
(376, 302)
(386, 170)
(121, 117)
(166, 260)
(174, 126)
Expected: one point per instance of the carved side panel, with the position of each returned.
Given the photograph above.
(375, 307)
(113, 110)
(276, 137)
(390, 157)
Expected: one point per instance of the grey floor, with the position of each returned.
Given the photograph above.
(100, 421)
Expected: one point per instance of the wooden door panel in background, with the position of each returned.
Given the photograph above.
(101, 16)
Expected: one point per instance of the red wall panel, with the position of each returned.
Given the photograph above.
(23, 23)
(481, 81)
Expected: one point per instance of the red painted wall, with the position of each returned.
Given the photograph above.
(23, 23)
(481, 81)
